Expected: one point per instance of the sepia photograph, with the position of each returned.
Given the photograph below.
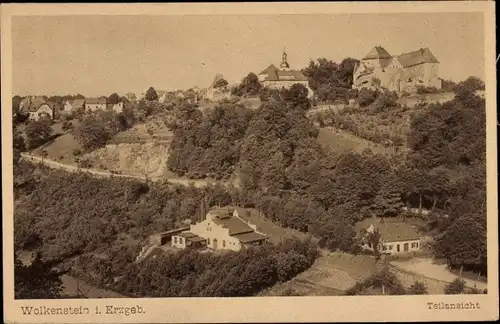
(170, 156)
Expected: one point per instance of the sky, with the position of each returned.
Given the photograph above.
(99, 55)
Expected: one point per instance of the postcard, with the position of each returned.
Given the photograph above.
(249, 162)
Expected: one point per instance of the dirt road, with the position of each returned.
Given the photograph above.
(106, 174)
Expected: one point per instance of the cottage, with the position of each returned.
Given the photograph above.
(222, 229)
(404, 72)
(284, 77)
(37, 108)
(395, 236)
(93, 104)
(73, 105)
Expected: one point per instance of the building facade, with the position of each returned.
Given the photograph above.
(93, 104)
(284, 77)
(396, 237)
(222, 229)
(404, 72)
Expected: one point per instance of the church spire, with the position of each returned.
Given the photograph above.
(284, 62)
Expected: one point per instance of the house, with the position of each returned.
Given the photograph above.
(398, 73)
(117, 107)
(93, 104)
(284, 77)
(73, 105)
(37, 108)
(395, 236)
(216, 92)
(222, 229)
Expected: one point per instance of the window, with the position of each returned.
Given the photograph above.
(175, 239)
(416, 244)
(208, 241)
(390, 247)
(384, 247)
(180, 240)
(397, 247)
(223, 243)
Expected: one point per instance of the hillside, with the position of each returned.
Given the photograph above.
(132, 158)
(336, 141)
(152, 130)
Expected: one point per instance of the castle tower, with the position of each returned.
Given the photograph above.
(284, 63)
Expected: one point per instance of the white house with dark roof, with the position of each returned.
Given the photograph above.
(37, 108)
(395, 236)
(93, 104)
(284, 77)
(404, 72)
(222, 229)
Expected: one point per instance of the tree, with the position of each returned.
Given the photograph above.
(456, 287)
(151, 94)
(366, 97)
(43, 154)
(92, 133)
(38, 133)
(16, 101)
(464, 242)
(18, 144)
(250, 85)
(417, 288)
(297, 96)
(114, 98)
(221, 83)
(36, 281)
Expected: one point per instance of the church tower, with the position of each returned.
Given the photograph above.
(284, 63)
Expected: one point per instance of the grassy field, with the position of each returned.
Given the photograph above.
(62, 147)
(337, 141)
(331, 275)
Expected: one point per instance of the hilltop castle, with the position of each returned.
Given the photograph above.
(398, 73)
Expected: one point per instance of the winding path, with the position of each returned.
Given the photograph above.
(106, 174)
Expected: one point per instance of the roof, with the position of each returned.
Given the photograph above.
(94, 101)
(76, 103)
(269, 69)
(173, 231)
(33, 104)
(249, 237)
(221, 212)
(289, 75)
(378, 52)
(423, 55)
(234, 224)
(391, 231)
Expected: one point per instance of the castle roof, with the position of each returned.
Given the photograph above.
(271, 68)
(423, 55)
(378, 52)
